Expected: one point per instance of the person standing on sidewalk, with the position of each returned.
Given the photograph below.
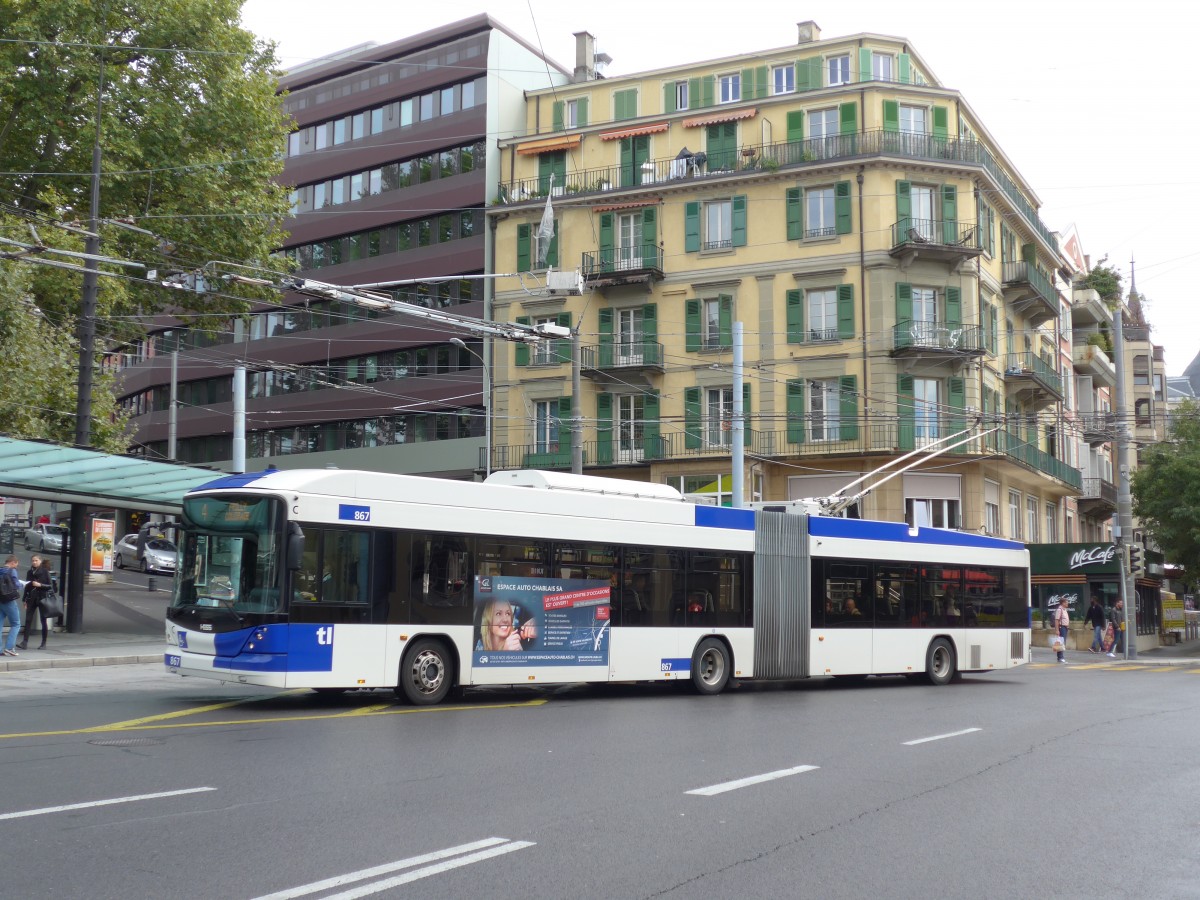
(38, 585)
(1062, 625)
(10, 607)
(1095, 618)
(1118, 624)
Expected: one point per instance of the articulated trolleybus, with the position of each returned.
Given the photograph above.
(333, 579)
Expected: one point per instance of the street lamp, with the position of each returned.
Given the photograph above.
(487, 404)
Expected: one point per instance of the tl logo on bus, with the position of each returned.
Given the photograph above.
(325, 636)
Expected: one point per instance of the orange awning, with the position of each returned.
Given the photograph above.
(548, 145)
(634, 131)
(632, 204)
(731, 116)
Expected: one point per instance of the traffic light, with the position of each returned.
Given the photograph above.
(1135, 558)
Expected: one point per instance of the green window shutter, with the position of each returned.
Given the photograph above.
(795, 317)
(848, 407)
(905, 69)
(739, 221)
(949, 214)
(906, 434)
(552, 253)
(953, 306)
(795, 411)
(841, 206)
(581, 111)
(523, 247)
(891, 115)
(848, 118)
(650, 351)
(795, 126)
(795, 214)
(956, 389)
(669, 97)
(941, 123)
(864, 64)
(522, 350)
(604, 428)
(545, 168)
(747, 84)
(903, 303)
(558, 115)
(565, 415)
(845, 311)
(1029, 254)
(693, 93)
(651, 430)
(691, 227)
(903, 208)
(562, 348)
(606, 337)
(649, 249)
(725, 320)
(991, 231)
(630, 176)
(606, 242)
(691, 325)
(625, 103)
(993, 339)
(809, 74)
(760, 83)
(691, 418)
(707, 89)
(747, 434)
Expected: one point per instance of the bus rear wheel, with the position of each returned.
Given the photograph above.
(939, 662)
(426, 673)
(710, 667)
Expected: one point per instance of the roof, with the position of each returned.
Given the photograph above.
(42, 470)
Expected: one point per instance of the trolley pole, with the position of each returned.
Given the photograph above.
(739, 421)
(1124, 529)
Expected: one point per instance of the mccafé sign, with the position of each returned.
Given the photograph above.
(1100, 555)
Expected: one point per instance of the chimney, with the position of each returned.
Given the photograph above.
(585, 56)
(808, 32)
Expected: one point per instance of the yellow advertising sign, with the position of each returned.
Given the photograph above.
(104, 533)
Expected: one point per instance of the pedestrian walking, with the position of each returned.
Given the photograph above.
(1118, 625)
(1062, 625)
(10, 607)
(1095, 618)
(38, 586)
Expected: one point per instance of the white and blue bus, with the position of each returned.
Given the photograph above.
(334, 579)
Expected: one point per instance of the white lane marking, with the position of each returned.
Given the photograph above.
(938, 737)
(363, 874)
(375, 887)
(70, 806)
(746, 782)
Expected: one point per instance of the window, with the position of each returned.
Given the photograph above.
(823, 123)
(991, 507)
(427, 108)
(1031, 520)
(629, 241)
(681, 95)
(712, 323)
(406, 112)
(1051, 523)
(839, 70)
(824, 409)
(377, 120)
(572, 115)
(718, 225)
(783, 79)
(1014, 515)
(358, 126)
(718, 417)
(545, 433)
(924, 316)
(629, 337)
(912, 119)
(731, 88)
(822, 316)
(924, 219)
(881, 67)
(936, 513)
(545, 353)
(718, 487)
(925, 409)
(819, 216)
(447, 105)
(1141, 370)
(630, 410)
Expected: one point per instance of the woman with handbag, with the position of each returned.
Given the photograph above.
(39, 585)
(1062, 625)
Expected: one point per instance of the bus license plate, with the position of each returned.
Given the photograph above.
(173, 661)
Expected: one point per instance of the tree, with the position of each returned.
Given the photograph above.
(1105, 281)
(192, 137)
(1166, 490)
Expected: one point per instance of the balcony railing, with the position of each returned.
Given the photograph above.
(646, 257)
(1031, 366)
(1020, 273)
(1097, 428)
(788, 154)
(941, 234)
(934, 336)
(1099, 490)
(619, 354)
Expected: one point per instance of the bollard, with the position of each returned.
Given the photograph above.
(150, 585)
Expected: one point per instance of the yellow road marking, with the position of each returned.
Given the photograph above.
(369, 711)
(1125, 668)
(1092, 666)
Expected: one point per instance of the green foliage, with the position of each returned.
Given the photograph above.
(1105, 281)
(1166, 491)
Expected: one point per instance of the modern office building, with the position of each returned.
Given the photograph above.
(885, 258)
(392, 160)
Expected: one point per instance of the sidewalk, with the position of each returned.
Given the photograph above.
(1176, 655)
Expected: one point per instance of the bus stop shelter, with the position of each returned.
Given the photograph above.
(43, 470)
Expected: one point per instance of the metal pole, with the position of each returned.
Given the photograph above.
(1124, 498)
(576, 405)
(239, 419)
(739, 421)
(487, 398)
(173, 416)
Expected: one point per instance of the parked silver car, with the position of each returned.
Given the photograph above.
(158, 556)
(49, 538)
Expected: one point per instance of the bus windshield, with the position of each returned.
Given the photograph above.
(230, 558)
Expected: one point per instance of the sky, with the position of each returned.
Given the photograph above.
(1088, 101)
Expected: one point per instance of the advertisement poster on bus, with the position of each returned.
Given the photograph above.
(103, 536)
(541, 621)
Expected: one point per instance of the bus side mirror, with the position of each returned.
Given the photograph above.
(295, 546)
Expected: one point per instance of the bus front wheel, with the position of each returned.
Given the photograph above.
(710, 667)
(939, 662)
(426, 674)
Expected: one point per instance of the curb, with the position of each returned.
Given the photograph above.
(25, 665)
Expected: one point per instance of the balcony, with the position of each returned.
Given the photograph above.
(1088, 309)
(1098, 428)
(621, 356)
(1031, 379)
(936, 240)
(1097, 497)
(623, 265)
(1029, 292)
(1089, 359)
(783, 155)
(945, 342)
